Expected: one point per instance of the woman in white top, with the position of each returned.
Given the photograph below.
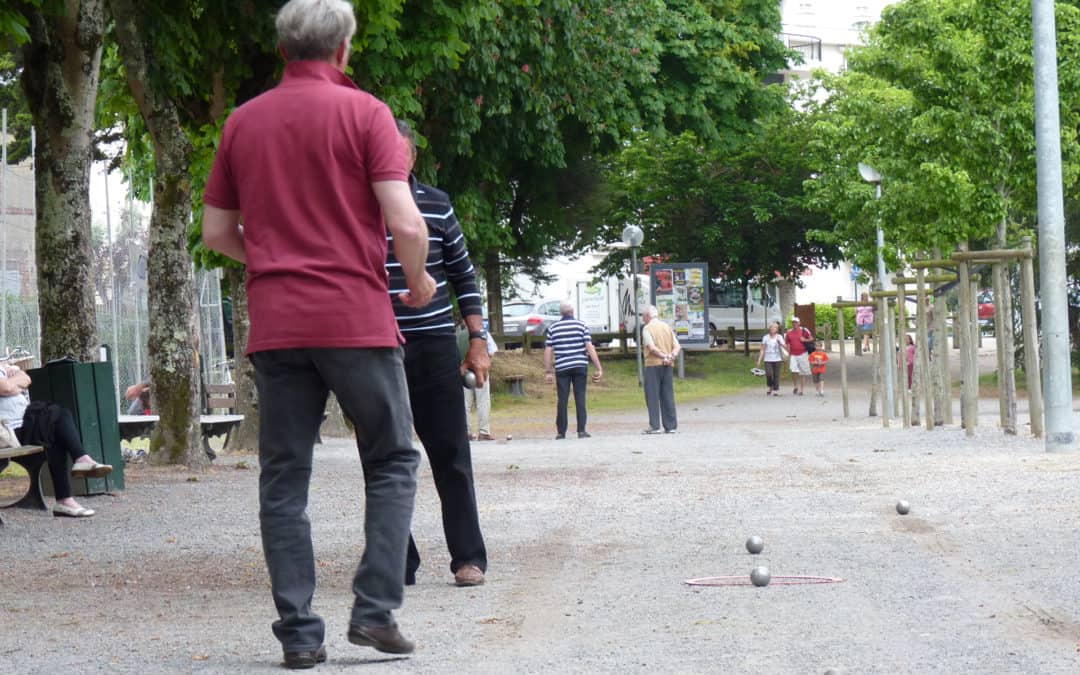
(49, 425)
(772, 354)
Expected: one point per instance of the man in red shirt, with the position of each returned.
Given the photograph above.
(316, 172)
(800, 358)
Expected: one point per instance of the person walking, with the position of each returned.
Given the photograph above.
(570, 342)
(434, 369)
(317, 174)
(661, 349)
(864, 317)
(480, 398)
(819, 361)
(909, 357)
(800, 361)
(772, 353)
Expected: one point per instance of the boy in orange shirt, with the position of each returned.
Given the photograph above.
(818, 360)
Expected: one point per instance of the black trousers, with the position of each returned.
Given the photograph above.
(564, 379)
(52, 426)
(438, 406)
(772, 375)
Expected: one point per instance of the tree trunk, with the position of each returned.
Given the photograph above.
(493, 282)
(786, 290)
(745, 316)
(60, 79)
(246, 436)
(174, 375)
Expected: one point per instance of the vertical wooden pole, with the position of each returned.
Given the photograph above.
(901, 353)
(941, 356)
(843, 359)
(974, 355)
(876, 369)
(924, 351)
(882, 319)
(1032, 367)
(967, 344)
(1003, 326)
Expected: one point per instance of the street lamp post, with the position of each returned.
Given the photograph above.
(871, 175)
(632, 236)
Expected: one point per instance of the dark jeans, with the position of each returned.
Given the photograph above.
(438, 408)
(772, 375)
(578, 377)
(293, 385)
(660, 397)
(52, 426)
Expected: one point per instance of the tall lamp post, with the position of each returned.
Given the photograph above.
(871, 175)
(632, 236)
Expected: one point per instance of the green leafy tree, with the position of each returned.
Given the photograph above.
(941, 102)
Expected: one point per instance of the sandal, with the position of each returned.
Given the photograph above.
(91, 469)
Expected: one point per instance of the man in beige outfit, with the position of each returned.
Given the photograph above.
(661, 349)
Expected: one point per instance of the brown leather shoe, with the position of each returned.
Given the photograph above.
(387, 639)
(468, 575)
(305, 659)
(485, 437)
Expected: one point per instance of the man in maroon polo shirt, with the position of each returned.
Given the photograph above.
(800, 357)
(307, 180)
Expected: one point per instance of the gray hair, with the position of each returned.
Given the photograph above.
(566, 309)
(312, 30)
(651, 311)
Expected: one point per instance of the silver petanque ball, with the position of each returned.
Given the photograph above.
(509, 437)
(902, 507)
(755, 544)
(760, 576)
(469, 379)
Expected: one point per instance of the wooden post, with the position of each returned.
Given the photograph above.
(858, 340)
(924, 350)
(883, 359)
(944, 415)
(977, 330)
(1031, 342)
(902, 396)
(826, 335)
(526, 342)
(968, 407)
(731, 338)
(876, 382)
(843, 359)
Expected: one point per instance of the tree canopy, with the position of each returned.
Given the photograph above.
(941, 101)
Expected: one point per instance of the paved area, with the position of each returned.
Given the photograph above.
(590, 543)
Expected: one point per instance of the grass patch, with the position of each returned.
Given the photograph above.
(989, 381)
(708, 374)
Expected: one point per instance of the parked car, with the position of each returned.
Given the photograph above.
(533, 318)
(986, 306)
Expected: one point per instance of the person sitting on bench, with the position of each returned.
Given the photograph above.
(52, 426)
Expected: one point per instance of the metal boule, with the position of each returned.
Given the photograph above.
(755, 544)
(469, 379)
(760, 576)
(902, 507)
(509, 437)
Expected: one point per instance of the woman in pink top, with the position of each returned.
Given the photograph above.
(864, 317)
(909, 351)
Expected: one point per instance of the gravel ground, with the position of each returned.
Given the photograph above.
(590, 542)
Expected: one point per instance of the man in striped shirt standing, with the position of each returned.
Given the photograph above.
(571, 344)
(434, 375)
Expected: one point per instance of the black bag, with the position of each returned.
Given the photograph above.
(808, 344)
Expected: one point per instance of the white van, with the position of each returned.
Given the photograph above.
(726, 306)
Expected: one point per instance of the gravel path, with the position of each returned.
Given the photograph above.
(590, 543)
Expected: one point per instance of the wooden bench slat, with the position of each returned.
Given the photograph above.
(221, 403)
(21, 451)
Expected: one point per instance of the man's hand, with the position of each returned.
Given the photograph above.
(478, 361)
(549, 378)
(420, 292)
(597, 375)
